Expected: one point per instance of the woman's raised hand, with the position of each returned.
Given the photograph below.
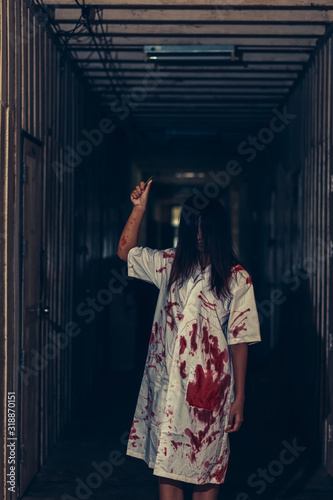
(139, 196)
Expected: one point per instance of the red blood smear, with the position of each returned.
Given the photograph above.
(204, 391)
(207, 417)
(220, 473)
(132, 433)
(160, 270)
(167, 308)
(158, 353)
(236, 329)
(183, 344)
(152, 366)
(205, 301)
(204, 415)
(194, 332)
(248, 280)
(238, 268)
(217, 357)
(167, 255)
(205, 339)
(196, 441)
(211, 438)
(175, 444)
(165, 451)
(182, 369)
(123, 241)
(152, 333)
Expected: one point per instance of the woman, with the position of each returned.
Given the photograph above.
(192, 390)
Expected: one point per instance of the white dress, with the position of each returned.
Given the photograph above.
(188, 383)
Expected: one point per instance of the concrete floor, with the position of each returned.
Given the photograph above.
(97, 430)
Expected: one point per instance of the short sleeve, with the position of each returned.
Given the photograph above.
(243, 323)
(146, 264)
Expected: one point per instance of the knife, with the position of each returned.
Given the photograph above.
(150, 178)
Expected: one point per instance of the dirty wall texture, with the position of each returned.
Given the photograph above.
(47, 115)
(289, 190)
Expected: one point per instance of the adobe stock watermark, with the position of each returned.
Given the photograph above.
(101, 471)
(87, 310)
(264, 477)
(92, 305)
(250, 148)
(121, 108)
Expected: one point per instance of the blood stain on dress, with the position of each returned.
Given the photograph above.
(197, 395)
(182, 369)
(175, 444)
(161, 270)
(205, 339)
(194, 332)
(155, 326)
(238, 328)
(167, 255)
(132, 434)
(217, 357)
(204, 391)
(238, 268)
(206, 302)
(212, 438)
(198, 441)
(220, 472)
(182, 345)
(168, 307)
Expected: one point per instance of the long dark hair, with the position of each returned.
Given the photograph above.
(216, 244)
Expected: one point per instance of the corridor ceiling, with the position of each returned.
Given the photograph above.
(275, 38)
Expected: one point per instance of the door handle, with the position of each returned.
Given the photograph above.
(45, 310)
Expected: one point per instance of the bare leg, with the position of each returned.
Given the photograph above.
(169, 489)
(205, 492)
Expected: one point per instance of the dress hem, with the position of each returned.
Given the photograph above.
(169, 475)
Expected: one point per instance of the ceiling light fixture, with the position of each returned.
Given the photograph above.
(190, 175)
(191, 54)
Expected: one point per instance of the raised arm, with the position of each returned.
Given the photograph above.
(129, 236)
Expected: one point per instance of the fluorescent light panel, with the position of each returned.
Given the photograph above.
(183, 53)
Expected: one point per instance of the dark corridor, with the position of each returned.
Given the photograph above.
(224, 100)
